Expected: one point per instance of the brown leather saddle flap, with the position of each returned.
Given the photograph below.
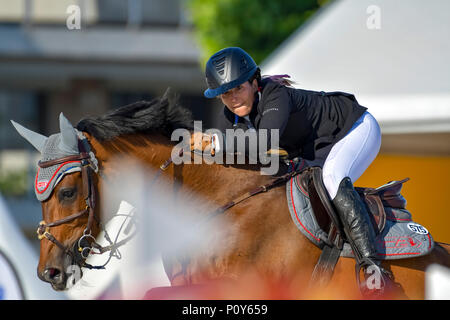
(311, 180)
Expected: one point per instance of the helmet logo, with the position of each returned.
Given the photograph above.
(219, 64)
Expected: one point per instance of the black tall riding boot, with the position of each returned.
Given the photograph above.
(359, 233)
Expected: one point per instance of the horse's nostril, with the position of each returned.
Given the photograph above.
(53, 275)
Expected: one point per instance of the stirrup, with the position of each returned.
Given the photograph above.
(369, 289)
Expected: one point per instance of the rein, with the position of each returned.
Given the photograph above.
(251, 193)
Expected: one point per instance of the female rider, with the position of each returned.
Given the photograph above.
(330, 130)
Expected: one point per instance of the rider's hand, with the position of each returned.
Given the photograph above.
(280, 152)
(202, 142)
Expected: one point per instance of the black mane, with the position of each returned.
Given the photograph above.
(161, 115)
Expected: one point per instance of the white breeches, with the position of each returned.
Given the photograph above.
(351, 155)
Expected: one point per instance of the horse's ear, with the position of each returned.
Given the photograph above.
(69, 138)
(37, 140)
(171, 96)
(168, 93)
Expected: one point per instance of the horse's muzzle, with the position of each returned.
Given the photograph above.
(56, 277)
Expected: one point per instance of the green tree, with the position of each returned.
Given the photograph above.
(257, 26)
(14, 183)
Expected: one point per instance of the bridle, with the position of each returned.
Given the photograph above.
(83, 247)
(43, 230)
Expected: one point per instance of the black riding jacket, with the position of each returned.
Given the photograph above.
(309, 122)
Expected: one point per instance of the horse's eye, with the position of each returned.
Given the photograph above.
(67, 193)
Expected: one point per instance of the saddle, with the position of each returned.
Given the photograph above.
(397, 236)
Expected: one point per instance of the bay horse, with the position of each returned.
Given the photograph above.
(263, 255)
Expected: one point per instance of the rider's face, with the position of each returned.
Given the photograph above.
(239, 100)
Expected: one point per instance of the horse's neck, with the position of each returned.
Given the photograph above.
(138, 148)
(121, 160)
(216, 183)
(219, 182)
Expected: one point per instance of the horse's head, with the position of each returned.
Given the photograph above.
(65, 186)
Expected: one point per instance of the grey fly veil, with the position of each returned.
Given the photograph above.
(56, 146)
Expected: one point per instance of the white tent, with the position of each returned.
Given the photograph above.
(393, 55)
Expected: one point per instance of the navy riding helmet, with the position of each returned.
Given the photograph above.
(227, 69)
